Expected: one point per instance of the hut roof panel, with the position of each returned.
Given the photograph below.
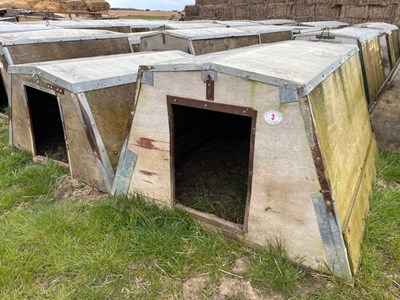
(378, 25)
(264, 29)
(55, 35)
(85, 74)
(295, 64)
(325, 24)
(238, 23)
(191, 25)
(8, 27)
(362, 34)
(208, 33)
(277, 22)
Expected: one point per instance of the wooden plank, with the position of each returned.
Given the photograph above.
(373, 66)
(355, 227)
(215, 45)
(340, 113)
(67, 50)
(111, 109)
(83, 163)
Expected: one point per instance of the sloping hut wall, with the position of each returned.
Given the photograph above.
(199, 41)
(269, 33)
(392, 32)
(95, 97)
(297, 96)
(56, 44)
(372, 61)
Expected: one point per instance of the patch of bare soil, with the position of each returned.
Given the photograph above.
(194, 287)
(386, 184)
(198, 288)
(71, 189)
(318, 283)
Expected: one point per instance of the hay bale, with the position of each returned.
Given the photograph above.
(327, 12)
(303, 11)
(354, 11)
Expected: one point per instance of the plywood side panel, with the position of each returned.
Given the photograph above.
(83, 163)
(66, 50)
(284, 177)
(215, 45)
(20, 122)
(111, 109)
(354, 230)
(162, 42)
(275, 37)
(3, 72)
(343, 129)
(373, 61)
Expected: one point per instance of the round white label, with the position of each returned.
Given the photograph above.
(1, 65)
(273, 117)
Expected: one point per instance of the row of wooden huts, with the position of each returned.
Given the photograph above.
(260, 135)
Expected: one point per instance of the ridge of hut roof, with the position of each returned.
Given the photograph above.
(237, 23)
(378, 25)
(55, 35)
(296, 65)
(325, 24)
(10, 27)
(263, 28)
(300, 29)
(277, 22)
(93, 73)
(361, 34)
(207, 33)
(191, 25)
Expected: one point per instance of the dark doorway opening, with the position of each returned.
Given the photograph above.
(212, 157)
(3, 97)
(47, 126)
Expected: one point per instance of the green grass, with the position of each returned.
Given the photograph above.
(122, 248)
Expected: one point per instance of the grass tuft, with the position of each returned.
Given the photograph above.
(128, 248)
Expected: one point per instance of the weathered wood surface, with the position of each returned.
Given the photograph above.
(284, 176)
(345, 137)
(112, 119)
(67, 50)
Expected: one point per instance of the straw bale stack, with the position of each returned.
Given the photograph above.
(352, 11)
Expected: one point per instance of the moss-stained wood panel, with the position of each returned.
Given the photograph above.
(21, 124)
(274, 37)
(65, 50)
(161, 42)
(355, 224)
(111, 109)
(344, 133)
(215, 45)
(373, 61)
(83, 163)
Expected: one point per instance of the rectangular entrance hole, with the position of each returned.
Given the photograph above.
(3, 97)
(47, 127)
(211, 161)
